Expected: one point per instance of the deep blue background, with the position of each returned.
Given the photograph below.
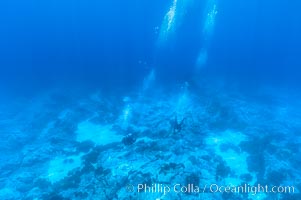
(112, 44)
(258, 41)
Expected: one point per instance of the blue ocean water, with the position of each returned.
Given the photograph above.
(177, 99)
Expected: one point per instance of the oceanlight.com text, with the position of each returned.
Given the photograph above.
(208, 188)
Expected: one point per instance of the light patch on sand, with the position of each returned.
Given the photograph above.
(61, 166)
(99, 134)
(237, 161)
(145, 140)
(226, 137)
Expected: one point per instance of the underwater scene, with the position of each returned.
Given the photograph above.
(150, 100)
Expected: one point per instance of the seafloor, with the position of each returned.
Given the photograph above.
(90, 145)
